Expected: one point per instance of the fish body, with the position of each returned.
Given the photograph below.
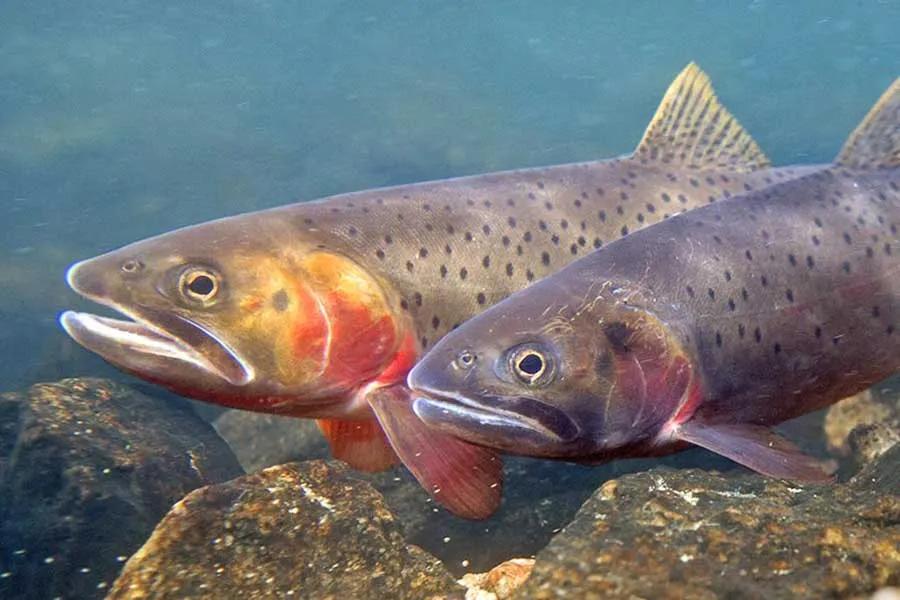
(319, 309)
(706, 329)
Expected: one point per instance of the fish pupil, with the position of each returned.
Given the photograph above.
(202, 285)
(531, 364)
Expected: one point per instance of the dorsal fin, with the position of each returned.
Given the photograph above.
(692, 129)
(875, 142)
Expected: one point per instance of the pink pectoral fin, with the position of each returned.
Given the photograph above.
(466, 479)
(757, 448)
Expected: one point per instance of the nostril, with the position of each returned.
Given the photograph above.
(132, 265)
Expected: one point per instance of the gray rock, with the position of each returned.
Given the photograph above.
(87, 469)
(879, 407)
(539, 498)
(701, 534)
(307, 530)
(261, 440)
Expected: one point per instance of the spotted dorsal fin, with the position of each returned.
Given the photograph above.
(692, 129)
(875, 143)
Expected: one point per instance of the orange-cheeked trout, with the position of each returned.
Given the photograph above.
(319, 309)
(706, 330)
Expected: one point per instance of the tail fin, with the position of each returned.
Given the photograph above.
(693, 130)
(875, 143)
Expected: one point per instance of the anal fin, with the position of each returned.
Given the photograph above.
(758, 448)
(360, 444)
(465, 479)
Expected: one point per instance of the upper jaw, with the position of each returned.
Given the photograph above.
(154, 343)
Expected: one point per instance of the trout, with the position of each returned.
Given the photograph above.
(705, 330)
(319, 309)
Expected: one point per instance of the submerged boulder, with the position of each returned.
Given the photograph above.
(539, 496)
(701, 534)
(308, 530)
(87, 469)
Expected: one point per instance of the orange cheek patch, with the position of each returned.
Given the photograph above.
(309, 331)
(360, 343)
(403, 361)
(251, 303)
(362, 331)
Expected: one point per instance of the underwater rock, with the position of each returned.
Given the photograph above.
(701, 534)
(87, 469)
(500, 582)
(866, 408)
(260, 440)
(540, 496)
(308, 530)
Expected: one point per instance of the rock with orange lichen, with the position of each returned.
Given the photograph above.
(701, 534)
(87, 469)
(307, 530)
(499, 583)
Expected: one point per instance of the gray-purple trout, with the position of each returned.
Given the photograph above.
(315, 309)
(706, 329)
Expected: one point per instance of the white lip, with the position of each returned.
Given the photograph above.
(100, 334)
(457, 408)
(466, 412)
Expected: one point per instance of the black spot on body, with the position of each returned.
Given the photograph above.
(280, 301)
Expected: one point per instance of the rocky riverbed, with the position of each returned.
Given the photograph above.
(94, 473)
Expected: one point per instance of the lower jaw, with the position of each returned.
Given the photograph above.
(493, 430)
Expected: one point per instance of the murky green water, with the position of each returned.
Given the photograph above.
(122, 120)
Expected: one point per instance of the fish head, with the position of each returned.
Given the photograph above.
(239, 313)
(548, 373)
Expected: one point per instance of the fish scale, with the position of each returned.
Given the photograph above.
(452, 248)
(810, 276)
(706, 329)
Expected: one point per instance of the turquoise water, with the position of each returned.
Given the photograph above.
(122, 120)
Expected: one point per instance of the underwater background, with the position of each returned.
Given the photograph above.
(127, 119)
(122, 120)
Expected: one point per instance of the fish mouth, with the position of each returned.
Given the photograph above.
(514, 416)
(151, 343)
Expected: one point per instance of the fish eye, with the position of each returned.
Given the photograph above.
(465, 359)
(199, 284)
(531, 364)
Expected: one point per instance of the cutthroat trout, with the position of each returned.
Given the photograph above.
(704, 330)
(319, 309)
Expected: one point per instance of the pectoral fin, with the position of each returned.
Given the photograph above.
(757, 448)
(465, 479)
(360, 444)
